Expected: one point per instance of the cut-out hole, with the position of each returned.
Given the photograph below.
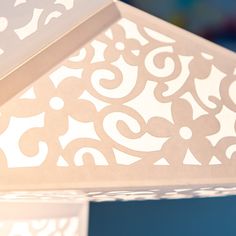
(19, 2)
(232, 92)
(62, 162)
(214, 161)
(162, 162)
(207, 56)
(190, 159)
(185, 132)
(3, 23)
(56, 103)
(120, 46)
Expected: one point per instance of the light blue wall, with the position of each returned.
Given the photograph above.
(191, 217)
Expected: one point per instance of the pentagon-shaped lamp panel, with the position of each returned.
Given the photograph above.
(120, 105)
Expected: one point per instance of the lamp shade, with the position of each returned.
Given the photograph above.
(26, 219)
(114, 103)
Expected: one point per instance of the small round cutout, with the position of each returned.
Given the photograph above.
(185, 132)
(56, 103)
(120, 46)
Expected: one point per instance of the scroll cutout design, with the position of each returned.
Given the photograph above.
(22, 25)
(181, 120)
(20, 19)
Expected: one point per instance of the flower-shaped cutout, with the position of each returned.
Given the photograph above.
(118, 45)
(58, 103)
(185, 135)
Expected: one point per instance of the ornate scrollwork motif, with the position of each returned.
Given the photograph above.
(132, 91)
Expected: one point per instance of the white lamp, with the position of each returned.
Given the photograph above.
(102, 101)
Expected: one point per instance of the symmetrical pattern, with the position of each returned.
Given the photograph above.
(135, 96)
(122, 99)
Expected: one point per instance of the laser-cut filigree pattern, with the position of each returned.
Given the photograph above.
(28, 26)
(132, 100)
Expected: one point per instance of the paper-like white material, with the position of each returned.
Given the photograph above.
(123, 106)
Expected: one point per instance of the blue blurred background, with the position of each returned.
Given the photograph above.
(214, 20)
(190, 217)
(211, 19)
